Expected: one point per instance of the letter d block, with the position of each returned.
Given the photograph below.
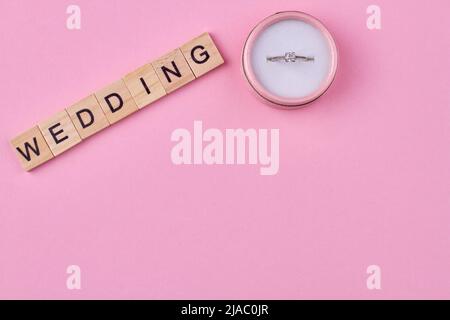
(116, 101)
(59, 132)
(202, 54)
(87, 116)
(31, 148)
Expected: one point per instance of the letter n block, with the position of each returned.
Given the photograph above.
(116, 101)
(202, 54)
(59, 132)
(31, 148)
(87, 116)
(173, 71)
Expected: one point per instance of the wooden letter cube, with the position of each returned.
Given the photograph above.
(87, 116)
(173, 71)
(116, 101)
(59, 132)
(144, 85)
(31, 148)
(202, 54)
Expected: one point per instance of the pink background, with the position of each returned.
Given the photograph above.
(364, 171)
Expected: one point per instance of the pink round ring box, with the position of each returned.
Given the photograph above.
(270, 97)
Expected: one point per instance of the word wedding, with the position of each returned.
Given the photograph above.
(116, 101)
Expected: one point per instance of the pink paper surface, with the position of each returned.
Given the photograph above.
(364, 172)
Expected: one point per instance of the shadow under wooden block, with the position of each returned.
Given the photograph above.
(59, 132)
(173, 71)
(144, 85)
(87, 116)
(31, 148)
(202, 54)
(116, 101)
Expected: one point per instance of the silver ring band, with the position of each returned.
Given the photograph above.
(289, 57)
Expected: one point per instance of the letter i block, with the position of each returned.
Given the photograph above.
(116, 101)
(31, 148)
(87, 116)
(173, 71)
(202, 54)
(144, 85)
(59, 132)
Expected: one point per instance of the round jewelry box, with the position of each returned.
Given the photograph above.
(290, 59)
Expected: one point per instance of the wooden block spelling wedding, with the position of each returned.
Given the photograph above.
(114, 102)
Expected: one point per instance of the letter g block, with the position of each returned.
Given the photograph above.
(202, 54)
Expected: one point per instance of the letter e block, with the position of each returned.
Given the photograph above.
(59, 132)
